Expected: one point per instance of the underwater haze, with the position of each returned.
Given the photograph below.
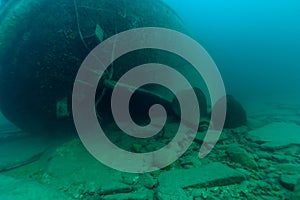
(83, 84)
(255, 44)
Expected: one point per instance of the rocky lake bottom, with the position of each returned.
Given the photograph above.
(257, 161)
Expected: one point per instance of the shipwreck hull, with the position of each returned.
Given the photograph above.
(43, 43)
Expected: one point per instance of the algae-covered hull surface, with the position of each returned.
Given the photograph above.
(44, 43)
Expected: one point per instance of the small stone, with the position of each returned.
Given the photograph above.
(265, 197)
(264, 185)
(201, 135)
(280, 158)
(137, 148)
(130, 179)
(197, 192)
(239, 155)
(271, 170)
(276, 187)
(240, 130)
(214, 174)
(264, 155)
(263, 163)
(289, 181)
(170, 193)
(292, 151)
(147, 181)
(115, 187)
(186, 160)
(273, 146)
(253, 145)
(288, 168)
(276, 135)
(202, 194)
(296, 193)
(254, 123)
(129, 196)
(14, 189)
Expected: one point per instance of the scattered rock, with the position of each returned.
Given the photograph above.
(204, 124)
(130, 179)
(186, 160)
(190, 161)
(264, 155)
(129, 196)
(240, 130)
(296, 193)
(147, 181)
(201, 135)
(214, 174)
(115, 187)
(253, 145)
(254, 123)
(292, 151)
(263, 163)
(72, 170)
(289, 181)
(288, 168)
(273, 146)
(71, 165)
(280, 158)
(241, 156)
(199, 194)
(169, 193)
(137, 148)
(13, 189)
(276, 135)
